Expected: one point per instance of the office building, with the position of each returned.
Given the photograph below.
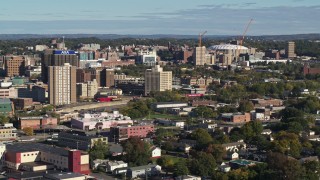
(62, 84)
(148, 58)
(88, 89)
(290, 50)
(15, 65)
(8, 92)
(37, 93)
(57, 58)
(199, 56)
(157, 80)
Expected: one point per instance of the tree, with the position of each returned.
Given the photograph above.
(180, 168)
(312, 169)
(238, 174)
(217, 151)
(202, 137)
(4, 119)
(289, 168)
(245, 106)
(287, 143)
(203, 164)
(166, 162)
(204, 112)
(28, 131)
(98, 151)
(251, 129)
(137, 152)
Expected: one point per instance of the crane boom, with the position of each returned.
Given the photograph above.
(245, 31)
(200, 38)
(242, 38)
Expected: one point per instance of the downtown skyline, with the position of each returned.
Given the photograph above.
(179, 17)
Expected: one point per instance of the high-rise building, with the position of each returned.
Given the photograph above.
(15, 65)
(199, 56)
(109, 77)
(88, 89)
(62, 84)
(56, 58)
(157, 80)
(290, 50)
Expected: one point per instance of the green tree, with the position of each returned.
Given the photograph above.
(202, 137)
(204, 112)
(251, 129)
(180, 168)
(203, 164)
(245, 106)
(287, 143)
(137, 151)
(312, 169)
(289, 168)
(217, 151)
(4, 119)
(98, 151)
(238, 174)
(166, 162)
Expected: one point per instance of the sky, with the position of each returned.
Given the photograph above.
(147, 17)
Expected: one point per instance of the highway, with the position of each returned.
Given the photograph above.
(95, 105)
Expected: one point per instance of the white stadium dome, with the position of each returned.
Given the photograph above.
(227, 47)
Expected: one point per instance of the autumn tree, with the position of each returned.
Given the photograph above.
(28, 131)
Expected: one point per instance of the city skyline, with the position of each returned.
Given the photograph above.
(187, 17)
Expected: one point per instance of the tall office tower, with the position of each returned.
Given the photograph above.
(109, 74)
(157, 80)
(15, 65)
(56, 58)
(62, 84)
(199, 56)
(290, 50)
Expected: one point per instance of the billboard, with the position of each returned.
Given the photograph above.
(64, 52)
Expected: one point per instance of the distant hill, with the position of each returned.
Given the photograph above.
(158, 36)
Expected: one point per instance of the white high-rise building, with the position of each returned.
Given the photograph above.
(62, 84)
(199, 56)
(157, 80)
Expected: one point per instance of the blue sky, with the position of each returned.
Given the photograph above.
(227, 17)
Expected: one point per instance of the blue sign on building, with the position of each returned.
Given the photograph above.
(64, 52)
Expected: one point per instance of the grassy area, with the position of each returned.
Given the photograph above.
(163, 116)
(175, 159)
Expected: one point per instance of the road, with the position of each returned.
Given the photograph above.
(95, 105)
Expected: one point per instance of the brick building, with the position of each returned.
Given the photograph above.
(15, 65)
(118, 134)
(37, 122)
(236, 117)
(22, 103)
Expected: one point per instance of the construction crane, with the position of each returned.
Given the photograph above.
(200, 38)
(242, 37)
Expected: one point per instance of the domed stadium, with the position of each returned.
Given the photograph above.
(227, 47)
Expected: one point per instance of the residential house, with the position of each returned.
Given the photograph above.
(139, 171)
(224, 167)
(235, 146)
(155, 152)
(112, 165)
